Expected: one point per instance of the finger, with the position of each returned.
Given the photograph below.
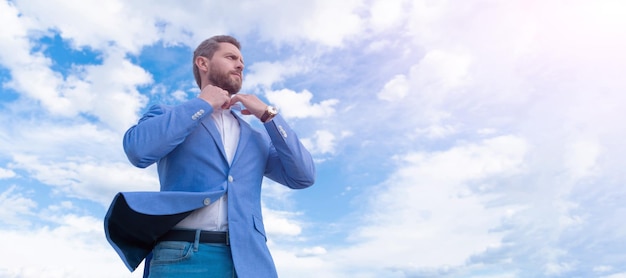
(234, 100)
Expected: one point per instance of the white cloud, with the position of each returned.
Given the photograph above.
(73, 248)
(265, 74)
(581, 158)
(83, 177)
(602, 268)
(100, 23)
(326, 22)
(106, 91)
(132, 25)
(81, 160)
(322, 142)
(555, 269)
(396, 89)
(298, 105)
(13, 43)
(14, 206)
(6, 173)
(441, 71)
(313, 251)
(180, 95)
(436, 131)
(386, 14)
(31, 73)
(427, 201)
(56, 140)
(289, 264)
(333, 21)
(112, 86)
(432, 96)
(280, 223)
(616, 275)
(275, 193)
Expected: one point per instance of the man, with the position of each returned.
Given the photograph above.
(206, 220)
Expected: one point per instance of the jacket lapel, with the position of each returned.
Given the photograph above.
(244, 136)
(210, 126)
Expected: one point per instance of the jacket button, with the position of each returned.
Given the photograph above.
(230, 179)
(207, 201)
(282, 131)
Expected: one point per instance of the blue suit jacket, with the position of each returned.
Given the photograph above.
(193, 172)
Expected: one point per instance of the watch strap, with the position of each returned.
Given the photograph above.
(270, 112)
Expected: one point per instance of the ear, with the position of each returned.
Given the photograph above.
(202, 63)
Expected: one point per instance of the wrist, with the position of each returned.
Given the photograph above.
(269, 114)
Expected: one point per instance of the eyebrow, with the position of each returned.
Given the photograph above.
(228, 53)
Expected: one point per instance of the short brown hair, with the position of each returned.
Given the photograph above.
(207, 48)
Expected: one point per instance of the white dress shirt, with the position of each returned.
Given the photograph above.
(214, 217)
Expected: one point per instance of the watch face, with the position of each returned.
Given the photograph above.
(273, 110)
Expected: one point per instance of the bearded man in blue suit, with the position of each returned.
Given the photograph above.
(206, 220)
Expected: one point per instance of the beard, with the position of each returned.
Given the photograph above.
(225, 80)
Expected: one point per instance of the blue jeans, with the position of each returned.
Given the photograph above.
(187, 259)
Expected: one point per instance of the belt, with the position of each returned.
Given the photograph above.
(190, 236)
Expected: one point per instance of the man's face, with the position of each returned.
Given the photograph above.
(226, 68)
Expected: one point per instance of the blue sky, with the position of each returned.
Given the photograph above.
(468, 138)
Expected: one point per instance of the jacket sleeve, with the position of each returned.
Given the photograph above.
(289, 162)
(161, 129)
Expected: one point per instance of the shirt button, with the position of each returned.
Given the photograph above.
(230, 179)
(207, 201)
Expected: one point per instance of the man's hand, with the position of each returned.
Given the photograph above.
(216, 97)
(220, 98)
(253, 105)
